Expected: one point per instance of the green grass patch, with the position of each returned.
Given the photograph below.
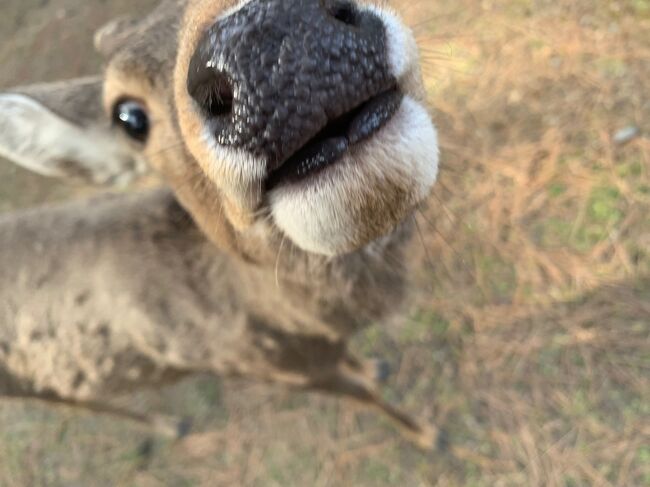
(604, 205)
(611, 67)
(552, 233)
(422, 326)
(604, 212)
(630, 169)
(285, 467)
(641, 7)
(376, 472)
(643, 459)
(556, 190)
(369, 341)
(497, 277)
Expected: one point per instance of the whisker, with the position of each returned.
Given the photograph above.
(459, 257)
(424, 247)
(277, 262)
(163, 150)
(448, 213)
(392, 263)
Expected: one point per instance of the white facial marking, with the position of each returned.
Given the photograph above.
(317, 215)
(402, 47)
(232, 10)
(41, 141)
(233, 170)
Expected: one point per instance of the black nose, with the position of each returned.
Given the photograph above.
(270, 76)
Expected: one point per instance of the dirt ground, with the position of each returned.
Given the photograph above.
(530, 339)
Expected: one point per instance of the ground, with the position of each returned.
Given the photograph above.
(530, 336)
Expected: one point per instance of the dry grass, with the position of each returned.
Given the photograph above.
(529, 339)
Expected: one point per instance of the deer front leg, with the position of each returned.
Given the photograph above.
(76, 386)
(316, 363)
(351, 379)
(159, 424)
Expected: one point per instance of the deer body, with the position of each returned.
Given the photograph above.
(262, 278)
(79, 294)
(136, 276)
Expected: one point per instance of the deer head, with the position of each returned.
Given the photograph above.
(301, 120)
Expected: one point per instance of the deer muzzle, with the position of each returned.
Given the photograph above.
(294, 83)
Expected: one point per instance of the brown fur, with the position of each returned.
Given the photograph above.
(111, 295)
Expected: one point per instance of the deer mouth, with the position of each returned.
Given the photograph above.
(337, 138)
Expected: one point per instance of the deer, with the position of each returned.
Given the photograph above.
(293, 142)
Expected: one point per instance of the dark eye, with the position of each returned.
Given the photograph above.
(132, 117)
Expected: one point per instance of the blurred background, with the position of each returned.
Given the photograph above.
(530, 337)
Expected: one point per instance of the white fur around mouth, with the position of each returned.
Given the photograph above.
(323, 214)
(402, 47)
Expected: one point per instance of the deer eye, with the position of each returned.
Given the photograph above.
(132, 117)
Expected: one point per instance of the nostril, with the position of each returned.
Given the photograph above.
(345, 12)
(212, 90)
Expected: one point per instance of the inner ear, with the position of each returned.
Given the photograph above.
(112, 36)
(59, 129)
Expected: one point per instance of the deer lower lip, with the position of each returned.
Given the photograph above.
(331, 143)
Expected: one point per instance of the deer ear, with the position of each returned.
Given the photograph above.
(110, 37)
(60, 130)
